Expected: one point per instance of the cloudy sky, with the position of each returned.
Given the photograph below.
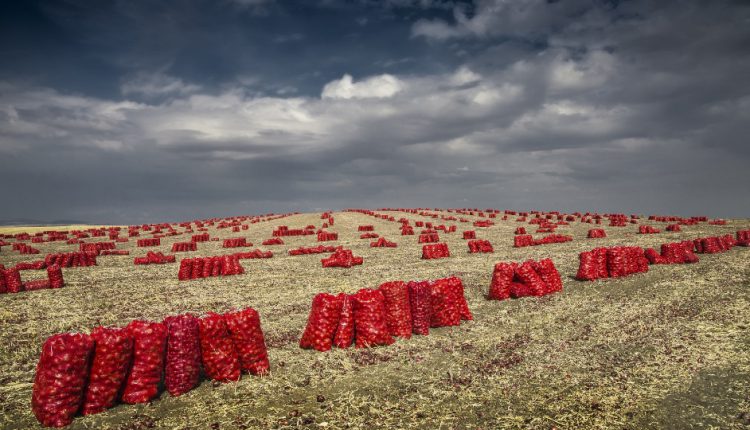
(125, 112)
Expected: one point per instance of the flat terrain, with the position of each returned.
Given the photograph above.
(666, 349)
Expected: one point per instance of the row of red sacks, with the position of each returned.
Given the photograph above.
(530, 278)
(313, 250)
(365, 228)
(383, 243)
(24, 249)
(154, 258)
(429, 238)
(324, 236)
(114, 252)
(714, 244)
(90, 373)
(149, 242)
(204, 267)
(673, 253)
(372, 317)
(184, 246)
(470, 234)
(369, 236)
(611, 262)
(523, 240)
(71, 259)
(10, 280)
(647, 229)
(236, 242)
(342, 258)
(479, 246)
(96, 247)
(273, 241)
(407, 230)
(435, 250)
(256, 253)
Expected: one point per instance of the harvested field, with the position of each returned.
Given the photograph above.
(669, 348)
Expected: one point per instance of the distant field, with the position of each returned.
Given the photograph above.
(666, 349)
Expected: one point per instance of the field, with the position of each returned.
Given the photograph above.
(666, 349)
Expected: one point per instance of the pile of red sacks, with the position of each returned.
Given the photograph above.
(283, 230)
(114, 252)
(149, 242)
(88, 374)
(24, 249)
(373, 317)
(236, 242)
(383, 243)
(154, 258)
(273, 241)
(520, 230)
(523, 240)
(714, 244)
(369, 236)
(429, 238)
(313, 250)
(71, 259)
(204, 267)
(184, 246)
(479, 246)
(647, 229)
(365, 228)
(611, 262)
(10, 280)
(436, 250)
(341, 258)
(205, 237)
(596, 233)
(407, 230)
(256, 253)
(487, 223)
(674, 227)
(531, 278)
(673, 253)
(470, 234)
(324, 236)
(96, 247)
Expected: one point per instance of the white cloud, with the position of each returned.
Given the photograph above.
(381, 86)
(464, 76)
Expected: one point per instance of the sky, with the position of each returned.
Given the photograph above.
(149, 111)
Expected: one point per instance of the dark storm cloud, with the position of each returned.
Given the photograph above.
(133, 111)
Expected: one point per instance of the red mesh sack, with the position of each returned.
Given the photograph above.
(60, 378)
(600, 255)
(397, 308)
(220, 359)
(502, 277)
(549, 274)
(149, 342)
(55, 276)
(183, 368)
(445, 308)
(370, 321)
(456, 290)
(247, 335)
(420, 306)
(113, 352)
(322, 322)
(528, 275)
(3, 285)
(518, 290)
(345, 331)
(13, 283)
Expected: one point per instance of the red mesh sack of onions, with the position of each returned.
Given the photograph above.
(519, 289)
(55, 276)
(149, 342)
(421, 306)
(247, 335)
(345, 331)
(445, 308)
(60, 378)
(397, 308)
(549, 274)
(529, 276)
(183, 368)
(455, 289)
(109, 368)
(322, 322)
(13, 283)
(502, 278)
(220, 359)
(3, 285)
(370, 321)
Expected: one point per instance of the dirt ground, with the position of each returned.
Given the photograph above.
(666, 349)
